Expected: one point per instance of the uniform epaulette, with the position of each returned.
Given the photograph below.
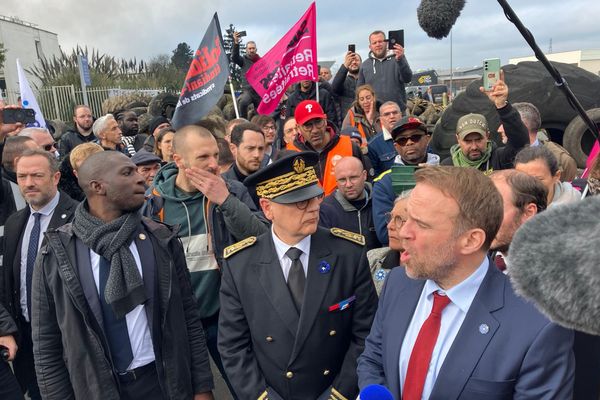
(263, 396)
(351, 236)
(381, 175)
(234, 248)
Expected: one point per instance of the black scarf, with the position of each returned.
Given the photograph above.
(125, 287)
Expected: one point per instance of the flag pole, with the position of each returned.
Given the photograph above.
(235, 106)
(317, 91)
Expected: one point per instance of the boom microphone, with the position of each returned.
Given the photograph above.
(554, 260)
(437, 17)
(375, 392)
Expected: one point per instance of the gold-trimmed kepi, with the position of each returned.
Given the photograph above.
(288, 180)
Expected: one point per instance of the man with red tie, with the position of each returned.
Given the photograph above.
(449, 325)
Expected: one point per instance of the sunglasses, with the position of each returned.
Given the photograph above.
(403, 140)
(50, 146)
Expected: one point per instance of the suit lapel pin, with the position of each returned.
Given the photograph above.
(63, 216)
(324, 267)
(484, 329)
(142, 236)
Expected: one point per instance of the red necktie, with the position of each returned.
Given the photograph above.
(500, 263)
(418, 364)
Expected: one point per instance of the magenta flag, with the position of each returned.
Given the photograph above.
(292, 59)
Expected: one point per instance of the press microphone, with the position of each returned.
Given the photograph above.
(554, 260)
(375, 392)
(437, 17)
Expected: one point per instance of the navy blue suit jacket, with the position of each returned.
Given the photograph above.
(522, 356)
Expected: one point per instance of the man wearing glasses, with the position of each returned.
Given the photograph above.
(410, 138)
(42, 137)
(296, 302)
(316, 135)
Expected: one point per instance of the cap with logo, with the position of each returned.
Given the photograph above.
(288, 180)
(471, 123)
(407, 123)
(307, 110)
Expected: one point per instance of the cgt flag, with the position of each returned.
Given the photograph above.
(28, 99)
(205, 80)
(292, 59)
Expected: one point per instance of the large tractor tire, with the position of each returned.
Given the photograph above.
(578, 140)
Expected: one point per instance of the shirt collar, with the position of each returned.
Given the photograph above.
(386, 134)
(461, 295)
(48, 208)
(282, 247)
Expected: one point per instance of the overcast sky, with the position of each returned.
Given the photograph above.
(143, 29)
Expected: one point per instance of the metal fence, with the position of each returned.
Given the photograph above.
(57, 102)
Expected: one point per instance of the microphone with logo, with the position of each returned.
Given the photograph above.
(375, 392)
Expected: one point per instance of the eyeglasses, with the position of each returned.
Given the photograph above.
(390, 113)
(303, 205)
(351, 179)
(269, 127)
(403, 140)
(315, 123)
(398, 221)
(50, 146)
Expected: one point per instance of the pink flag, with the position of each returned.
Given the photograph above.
(292, 59)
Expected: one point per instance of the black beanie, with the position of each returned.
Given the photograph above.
(156, 121)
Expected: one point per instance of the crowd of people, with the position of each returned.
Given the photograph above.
(290, 251)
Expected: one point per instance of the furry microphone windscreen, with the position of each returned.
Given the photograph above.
(437, 17)
(554, 260)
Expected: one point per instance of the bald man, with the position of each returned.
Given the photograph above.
(130, 319)
(349, 206)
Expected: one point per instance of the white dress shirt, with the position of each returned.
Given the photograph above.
(461, 297)
(137, 323)
(46, 215)
(285, 261)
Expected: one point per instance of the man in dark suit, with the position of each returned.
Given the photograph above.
(449, 325)
(297, 301)
(37, 177)
(113, 314)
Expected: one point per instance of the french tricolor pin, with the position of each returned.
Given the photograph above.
(342, 305)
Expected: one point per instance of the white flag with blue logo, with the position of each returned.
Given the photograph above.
(28, 99)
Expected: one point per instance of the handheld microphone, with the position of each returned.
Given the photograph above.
(437, 17)
(554, 260)
(375, 392)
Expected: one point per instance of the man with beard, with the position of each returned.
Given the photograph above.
(410, 137)
(387, 71)
(249, 95)
(269, 130)
(307, 90)
(248, 149)
(344, 82)
(129, 125)
(212, 213)
(37, 177)
(475, 149)
(449, 325)
(297, 300)
(316, 135)
(82, 133)
(523, 197)
(113, 312)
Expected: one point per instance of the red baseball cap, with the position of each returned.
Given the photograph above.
(307, 110)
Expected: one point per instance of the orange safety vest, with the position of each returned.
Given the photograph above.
(364, 141)
(343, 148)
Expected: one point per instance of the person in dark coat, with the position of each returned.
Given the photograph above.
(296, 301)
(47, 208)
(350, 206)
(307, 90)
(113, 314)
